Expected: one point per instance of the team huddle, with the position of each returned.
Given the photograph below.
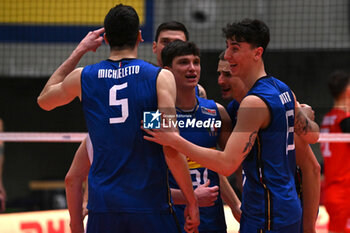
(173, 179)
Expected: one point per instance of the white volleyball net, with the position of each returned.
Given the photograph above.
(78, 137)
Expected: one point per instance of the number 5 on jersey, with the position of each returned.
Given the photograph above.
(113, 101)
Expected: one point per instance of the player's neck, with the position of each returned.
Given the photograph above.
(116, 55)
(186, 100)
(254, 75)
(238, 95)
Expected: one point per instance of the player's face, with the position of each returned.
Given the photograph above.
(224, 79)
(186, 70)
(232, 87)
(164, 38)
(241, 57)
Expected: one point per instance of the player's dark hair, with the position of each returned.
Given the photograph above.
(338, 82)
(252, 31)
(178, 48)
(122, 26)
(173, 26)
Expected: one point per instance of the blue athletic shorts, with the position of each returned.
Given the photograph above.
(248, 228)
(131, 223)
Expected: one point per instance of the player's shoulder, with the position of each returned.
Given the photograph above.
(252, 101)
(206, 102)
(165, 76)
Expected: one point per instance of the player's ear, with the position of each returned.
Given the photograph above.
(154, 47)
(139, 36)
(105, 38)
(258, 53)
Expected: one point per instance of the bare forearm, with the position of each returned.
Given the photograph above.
(90, 43)
(74, 195)
(178, 197)
(228, 194)
(308, 130)
(311, 183)
(310, 200)
(179, 169)
(212, 159)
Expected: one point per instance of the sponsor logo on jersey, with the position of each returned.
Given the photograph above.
(208, 111)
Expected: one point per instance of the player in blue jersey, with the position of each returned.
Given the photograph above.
(166, 33)
(233, 89)
(128, 184)
(263, 138)
(182, 59)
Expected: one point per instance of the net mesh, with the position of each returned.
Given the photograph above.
(37, 35)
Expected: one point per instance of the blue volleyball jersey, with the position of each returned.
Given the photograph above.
(211, 218)
(128, 173)
(197, 90)
(270, 200)
(232, 110)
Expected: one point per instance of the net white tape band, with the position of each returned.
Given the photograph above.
(41, 137)
(78, 137)
(334, 137)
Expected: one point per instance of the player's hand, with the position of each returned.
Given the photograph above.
(85, 210)
(92, 40)
(191, 215)
(206, 195)
(2, 199)
(237, 212)
(162, 136)
(77, 226)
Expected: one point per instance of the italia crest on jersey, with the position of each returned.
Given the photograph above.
(213, 130)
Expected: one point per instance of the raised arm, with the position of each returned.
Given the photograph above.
(64, 84)
(177, 163)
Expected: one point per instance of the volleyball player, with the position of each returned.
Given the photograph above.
(336, 155)
(309, 187)
(127, 180)
(182, 59)
(263, 138)
(166, 33)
